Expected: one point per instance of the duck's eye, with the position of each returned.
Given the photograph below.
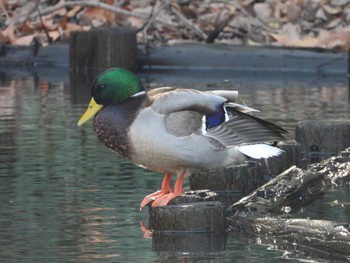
(100, 87)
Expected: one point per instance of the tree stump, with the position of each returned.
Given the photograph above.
(230, 183)
(103, 48)
(195, 212)
(239, 180)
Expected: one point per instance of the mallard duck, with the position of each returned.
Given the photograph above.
(174, 130)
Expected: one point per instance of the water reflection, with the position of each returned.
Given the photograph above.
(66, 198)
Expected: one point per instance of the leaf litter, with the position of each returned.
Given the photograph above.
(290, 23)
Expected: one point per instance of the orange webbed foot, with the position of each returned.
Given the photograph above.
(152, 197)
(165, 189)
(165, 199)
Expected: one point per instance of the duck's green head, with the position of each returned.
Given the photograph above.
(111, 86)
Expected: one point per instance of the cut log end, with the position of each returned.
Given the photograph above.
(194, 212)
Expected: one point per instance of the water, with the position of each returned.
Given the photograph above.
(66, 198)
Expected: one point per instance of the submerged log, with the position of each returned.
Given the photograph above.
(330, 240)
(295, 188)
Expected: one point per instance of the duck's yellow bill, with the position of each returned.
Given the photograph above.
(90, 112)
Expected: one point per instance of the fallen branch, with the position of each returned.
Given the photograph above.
(324, 239)
(189, 24)
(218, 29)
(291, 190)
(294, 188)
(254, 20)
(158, 6)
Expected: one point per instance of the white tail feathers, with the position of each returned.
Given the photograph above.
(258, 151)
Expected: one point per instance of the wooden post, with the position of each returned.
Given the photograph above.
(103, 48)
(240, 180)
(232, 183)
(322, 139)
(192, 218)
(195, 212)
(349, 74)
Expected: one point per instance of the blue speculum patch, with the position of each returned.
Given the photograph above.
(216, 119)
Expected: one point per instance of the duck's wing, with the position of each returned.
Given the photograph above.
(213, 114)
(241, 128)
(184, 109)
(230, 95)
(248, 133)
(169, 101)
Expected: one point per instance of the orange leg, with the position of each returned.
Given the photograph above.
(178, 190)
(165, 189)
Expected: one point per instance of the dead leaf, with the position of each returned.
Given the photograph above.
(334, 40)
(59, 12)
(293, 10)
(320, 14)
(25, 28)
(331, 10)
(291, 31)
(231, 8)
(263, 11)
(339, 2)
(63, 22)
(96, 23)
(54, 35)
(74, 27)
(294, 42)
(136, 22)
(344, 29)
(8, 35)
(25, 10)
(188, 12)
(4, 39)
(247, 2)
(207, 19)
(334, 23)
(24, 41)
(74, 11)
(92, 13)
(46, 24)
